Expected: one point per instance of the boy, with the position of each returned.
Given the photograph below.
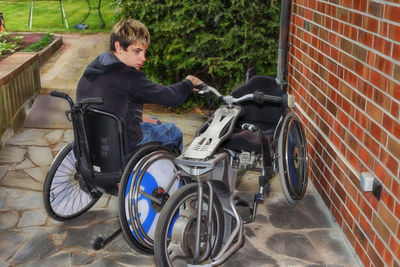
(115, 77)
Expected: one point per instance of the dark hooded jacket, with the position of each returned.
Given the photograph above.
(125, 90)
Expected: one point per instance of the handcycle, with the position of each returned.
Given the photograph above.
(254, 130)
(97, 161)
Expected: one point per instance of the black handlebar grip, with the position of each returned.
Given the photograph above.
(201, 86)
(59, 94)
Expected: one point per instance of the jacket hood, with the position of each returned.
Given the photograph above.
(105, 62)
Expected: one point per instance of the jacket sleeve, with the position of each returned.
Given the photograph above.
(142, 90)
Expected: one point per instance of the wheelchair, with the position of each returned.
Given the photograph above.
(97, 161)
(255, 129)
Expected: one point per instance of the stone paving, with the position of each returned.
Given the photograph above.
(282, 234)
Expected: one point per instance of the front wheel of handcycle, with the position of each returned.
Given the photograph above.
(63, 196)
(174, 242)
(149, 179)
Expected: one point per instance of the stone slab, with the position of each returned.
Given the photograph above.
(3, 170)
(33, 218)
(40, 245)
(48, 112)
(29, 137)
(9, 242)
(41, 156)
(12, 154)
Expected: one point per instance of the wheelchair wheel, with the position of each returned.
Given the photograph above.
(63, 197)
(148, 180)
(293, 159)
(174, 241)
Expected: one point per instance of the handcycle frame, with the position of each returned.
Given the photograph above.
(205, 165)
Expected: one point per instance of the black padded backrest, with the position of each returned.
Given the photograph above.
(104, 132)
(265, 115)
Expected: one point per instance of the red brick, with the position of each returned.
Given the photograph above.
(366, 157)
(394, 90)
(374, 111)
(363, 120)
(377, 133)
(378, 80)
(371, 24)
(383, 45)
(376, 260)
(381, 228)
(389, 162)
(396, 52)
(358, 100)
(394, 32)
(365, 207)
(382, 174)
(356, 19)
(363, 256)
(350, 32)
(394, 147)
(379, 246)
(350, 77)
(393, 126)
(337, 26)
(384, 65)
(383, 28)
(371, 58)
(360, 5)
(392, 13)
(397, 214)
(342, 14)
(365, 38)
(394, 246)
(365, 88)
(371, 144)
(388, 218)
(395, 109)
(387, 198)
(375, 9)
(382, 99)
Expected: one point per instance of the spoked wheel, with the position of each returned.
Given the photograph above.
(63, 196)
(174, 242)
(148, 181)
(293, 159)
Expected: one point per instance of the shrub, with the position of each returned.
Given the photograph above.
(212, 39)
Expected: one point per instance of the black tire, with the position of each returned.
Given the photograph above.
(293, 159)
(169, 214)
(62, 195)
(146, 158)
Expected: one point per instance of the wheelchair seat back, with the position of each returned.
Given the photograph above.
(261, 115)
(102, 149)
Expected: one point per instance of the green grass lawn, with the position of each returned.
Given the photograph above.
(47, 15)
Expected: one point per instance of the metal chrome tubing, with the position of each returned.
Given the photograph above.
(198, 226)
(228, 249)
(209, 223)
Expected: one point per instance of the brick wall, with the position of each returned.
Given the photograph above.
(344, 68)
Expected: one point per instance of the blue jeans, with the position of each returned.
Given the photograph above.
(166, 133)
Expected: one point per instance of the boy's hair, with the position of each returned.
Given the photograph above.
(128, 32)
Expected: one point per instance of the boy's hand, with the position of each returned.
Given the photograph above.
(195, 81)
(146, 118)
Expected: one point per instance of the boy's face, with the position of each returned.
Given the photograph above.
(133, 56)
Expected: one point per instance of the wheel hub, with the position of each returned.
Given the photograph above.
(161, 195)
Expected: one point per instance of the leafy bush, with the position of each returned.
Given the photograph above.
(9, 44)
(212, 39)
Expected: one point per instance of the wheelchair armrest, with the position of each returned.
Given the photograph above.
(91, 101)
